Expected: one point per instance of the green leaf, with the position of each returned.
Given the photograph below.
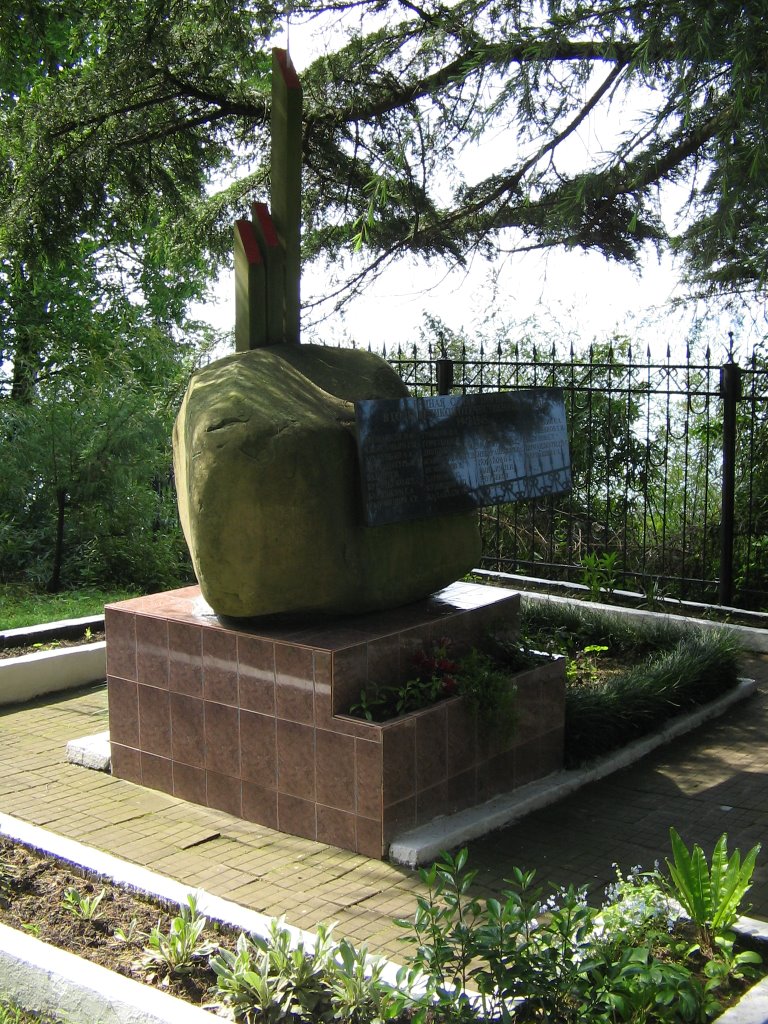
(690, 876)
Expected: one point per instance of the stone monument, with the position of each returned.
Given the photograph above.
(265, 454)
(324, 510)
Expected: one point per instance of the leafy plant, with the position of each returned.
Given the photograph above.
(272, 978)
(712, 895)
(435, 679)
(247, 986)
(85, 908)
(442, 930)
(355, 986)
(728, 966)
(181, 948)
(301, 970)
(560, 960)
(583, 666)
(599, 573)
(637, 906)
(131, 934)
(484, 680)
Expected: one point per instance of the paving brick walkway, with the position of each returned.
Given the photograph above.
(714, 780)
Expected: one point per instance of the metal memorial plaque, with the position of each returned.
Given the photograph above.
(424, 457)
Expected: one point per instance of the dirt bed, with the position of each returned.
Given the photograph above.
(32, 890)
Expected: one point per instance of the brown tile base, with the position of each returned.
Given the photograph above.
(250, 718)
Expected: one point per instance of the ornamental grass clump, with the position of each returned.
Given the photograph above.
(658, 670)
(606, 714)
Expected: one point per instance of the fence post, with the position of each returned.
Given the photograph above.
(730, 392)
(444, 369)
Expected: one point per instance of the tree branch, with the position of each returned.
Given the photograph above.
(469, 62)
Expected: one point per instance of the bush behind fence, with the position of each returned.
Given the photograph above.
(670, 469)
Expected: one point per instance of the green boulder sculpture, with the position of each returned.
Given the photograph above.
(268, 489)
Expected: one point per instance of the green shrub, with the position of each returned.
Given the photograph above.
(555, 958)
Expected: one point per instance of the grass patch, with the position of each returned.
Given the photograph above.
(665, 669)
(12, 1014)
(22, 605)
(566, 628)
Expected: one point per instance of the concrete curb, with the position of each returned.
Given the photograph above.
(539, 587)
(62, 629)
(32, 675)
(754, 638)
(752, 1008)
(91, 751)
(423, 844)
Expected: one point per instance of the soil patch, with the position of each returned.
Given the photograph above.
(32, 888)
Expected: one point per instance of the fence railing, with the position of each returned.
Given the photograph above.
(670, 469)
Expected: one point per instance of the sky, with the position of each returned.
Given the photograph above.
(573, 296)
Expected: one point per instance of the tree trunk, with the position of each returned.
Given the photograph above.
(54, 583)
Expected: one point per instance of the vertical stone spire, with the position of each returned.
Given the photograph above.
(268, 247)
(286, 181)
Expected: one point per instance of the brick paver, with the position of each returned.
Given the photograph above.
(711, 781)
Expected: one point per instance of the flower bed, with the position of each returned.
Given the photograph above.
(661, 948)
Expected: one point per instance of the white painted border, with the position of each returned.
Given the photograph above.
(32, 675)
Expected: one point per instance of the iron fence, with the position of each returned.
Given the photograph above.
(670, 469)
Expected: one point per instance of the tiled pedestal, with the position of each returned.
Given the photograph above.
(251, 720)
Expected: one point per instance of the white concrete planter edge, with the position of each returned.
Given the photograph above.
(32, 675)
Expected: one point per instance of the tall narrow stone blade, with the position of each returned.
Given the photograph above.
(274, 261)
(250, 290)
(286, 180)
